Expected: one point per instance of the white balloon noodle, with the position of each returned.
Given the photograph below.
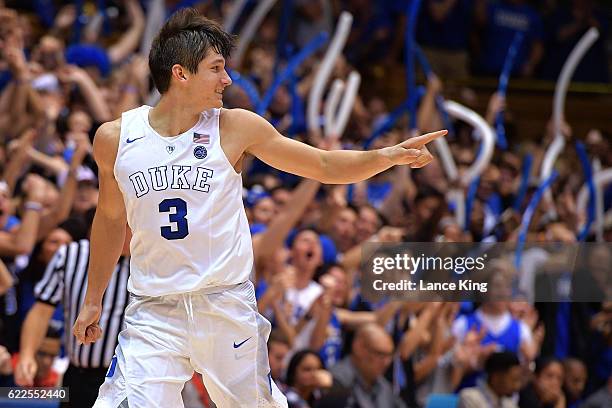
(248, 31)
(567, 71)
(333, 51)
(331, 105)
(232, 17)
(348, 101)
(486, 152)
(487, 138)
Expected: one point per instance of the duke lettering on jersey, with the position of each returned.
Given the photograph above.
(177, 177)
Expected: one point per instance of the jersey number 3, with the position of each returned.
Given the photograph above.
(177, 216)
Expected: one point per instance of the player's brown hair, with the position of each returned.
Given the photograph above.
(185, 39)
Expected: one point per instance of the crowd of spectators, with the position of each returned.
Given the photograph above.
(67, 68)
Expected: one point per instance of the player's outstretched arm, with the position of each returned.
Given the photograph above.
(330, 167)
(107, 233)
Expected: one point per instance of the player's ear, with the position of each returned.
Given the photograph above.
(178, 72)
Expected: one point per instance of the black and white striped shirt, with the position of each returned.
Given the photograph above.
(65, 281)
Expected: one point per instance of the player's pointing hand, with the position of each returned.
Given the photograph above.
(414, 150)
(86, 328)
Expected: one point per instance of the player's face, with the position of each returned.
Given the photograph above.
(210, 80)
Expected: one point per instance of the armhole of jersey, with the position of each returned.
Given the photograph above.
(126, 118)
(216, 125)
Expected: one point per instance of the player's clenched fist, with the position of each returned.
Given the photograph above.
(86, 328)
(414, 150)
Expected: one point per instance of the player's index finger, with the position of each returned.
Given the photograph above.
(428, 137)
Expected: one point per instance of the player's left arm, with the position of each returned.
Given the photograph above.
(330, 167)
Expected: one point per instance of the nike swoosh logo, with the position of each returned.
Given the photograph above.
(133, 140)
(241, 343)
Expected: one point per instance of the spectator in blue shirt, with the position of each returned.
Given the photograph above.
(501, 21)
(443, 32)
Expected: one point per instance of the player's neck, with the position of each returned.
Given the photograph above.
(170, 118)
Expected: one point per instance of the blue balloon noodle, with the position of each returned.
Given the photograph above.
(504, 77)
(67, 154)
(298, 121)
(588, 175)
(525, 171)
(528, 215)
(471, 194)
(101, 6)
(387, 124)
(350, 191)
(412, 14)
(78, 23)
(391, 119)
(418, 52)
(469, 200)
(500, 132)
(46, 12)
(292, 65)
(249, 88)
(281, 45)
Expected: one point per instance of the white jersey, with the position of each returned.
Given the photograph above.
(184, 205)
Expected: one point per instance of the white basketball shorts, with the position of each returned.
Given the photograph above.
(220, 335)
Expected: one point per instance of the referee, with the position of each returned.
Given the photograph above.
(65, 281)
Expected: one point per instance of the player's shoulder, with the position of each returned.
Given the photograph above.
(106, 141)
(244, 125)
(235, 118)
(109, 131)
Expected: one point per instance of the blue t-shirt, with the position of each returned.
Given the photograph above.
(366, 29)
(503, 21)
(331, 352)
(377, 192)
(450, 34)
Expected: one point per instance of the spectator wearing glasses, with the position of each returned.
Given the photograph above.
(363, 371)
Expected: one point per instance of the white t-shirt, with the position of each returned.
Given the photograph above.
(495, 325)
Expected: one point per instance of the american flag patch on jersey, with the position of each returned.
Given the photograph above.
(201, 138)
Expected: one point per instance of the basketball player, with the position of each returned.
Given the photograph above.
(173, 172)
